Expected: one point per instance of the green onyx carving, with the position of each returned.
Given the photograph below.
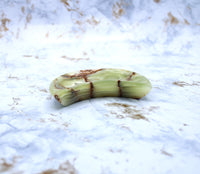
(108, 82)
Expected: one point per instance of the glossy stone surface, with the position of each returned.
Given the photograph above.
(39, 40)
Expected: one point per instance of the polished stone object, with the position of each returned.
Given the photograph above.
(39, 40)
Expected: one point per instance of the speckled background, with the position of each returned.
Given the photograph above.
(40, 40)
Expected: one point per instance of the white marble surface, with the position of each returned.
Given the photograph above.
(40, 40)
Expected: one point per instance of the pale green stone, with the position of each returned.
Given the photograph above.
(82, 85)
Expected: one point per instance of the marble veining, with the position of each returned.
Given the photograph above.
(40, 40)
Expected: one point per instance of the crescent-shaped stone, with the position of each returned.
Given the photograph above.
(108, 82)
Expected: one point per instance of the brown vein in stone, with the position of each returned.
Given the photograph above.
(57, 98)
(120, 91)
(85, 78)
(65, 167)
(129, 78)
(4, 21)
(157, 1)
(82, 74)
(166, 153)
(91, 89)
